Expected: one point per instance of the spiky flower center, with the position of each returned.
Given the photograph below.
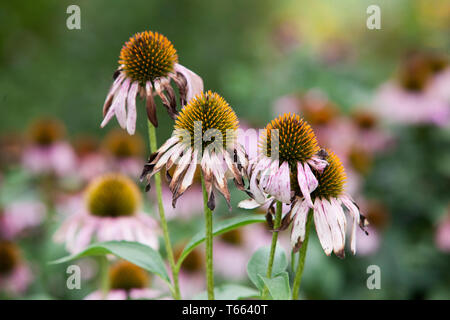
(147, 56)
(113, 195)
(332, 180)
(9, 257)
(296, 140)
(233, 237)
(126, 276)
(45, 132)
(208, 118)
(122, 145)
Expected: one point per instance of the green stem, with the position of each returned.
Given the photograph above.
(170, 255)
(104, 277)
(301, 260)
(209, 244)
(273, 246)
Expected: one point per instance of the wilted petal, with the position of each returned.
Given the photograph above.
(249, 204)
(322, 227)
(317, 163)
(337, 232)
(150, 104)
(303, 182)
(119, 104)
(348, 203)
(279, 184)
(193, 81)
(112, 91)
(300, 212)
(131, 102)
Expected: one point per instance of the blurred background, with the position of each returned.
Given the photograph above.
(379, 98)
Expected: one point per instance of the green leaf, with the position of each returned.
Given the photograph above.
(229, 292)
(257, 266)
(278, 286)
(218, 229)
(137, 253)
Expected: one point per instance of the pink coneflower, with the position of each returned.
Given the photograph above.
(127, 281)
(18, 217)
(329, 218)
(112, 211)
(15, 275)
(285, 163)
(90, 161)
(421, 93)
(442, 235)
(124, 152)
(47, 153)
(204, 136)
(148, 63)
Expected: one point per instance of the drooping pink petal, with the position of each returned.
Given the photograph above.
(194, 82)
(119, 104)
(279, 184)
(322, 227)
(300, 213)
(317, 163)
(131, 103)
(348, 203)
(337, 233)
(302, 179)
(112, 91)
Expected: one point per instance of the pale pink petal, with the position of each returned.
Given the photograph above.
(300, 213)
(194, 82)
(131, 103)
(322, 227)
(119, 104)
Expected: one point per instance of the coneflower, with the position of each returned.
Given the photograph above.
(15, 275)
(289, 152)
(148, 63)
(112, 211)
(204, 136)
(47, 152)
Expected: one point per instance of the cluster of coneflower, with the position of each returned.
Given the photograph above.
(290, 168)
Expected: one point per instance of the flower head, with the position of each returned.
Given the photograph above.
(420, 93)
(329, 217)
(112, 211)
(15, 276)
(124, 152)
(19, 217)
(47, 152)
(148, 63)
(289, 153)
(204, 136)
